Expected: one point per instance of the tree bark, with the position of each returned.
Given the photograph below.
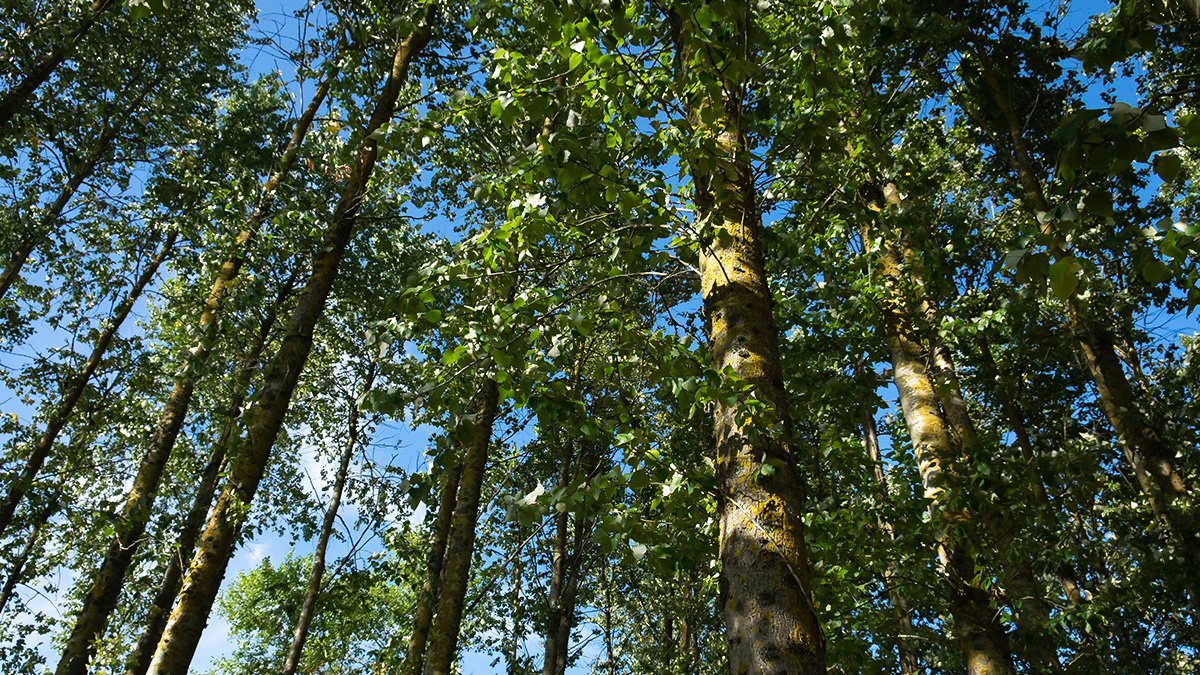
(102, 597)
(75, 388)
(771, 625)
(981, 639)
(138, 660)
(476, 437)
(264, 419)
(317, 574)
(15, 98)
(1150, 456)
(418, 642)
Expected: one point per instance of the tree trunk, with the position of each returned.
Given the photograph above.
(264, 419)
(981, 638)
(414, 661)
(15, 98)
(17, 568)
(460, 548)
(1150, 456)
(102, 597)
(1065, 574)
(317, 574)
(77, 386)
(900, 612)
(138, 660)
(50, 217)
(765, 581)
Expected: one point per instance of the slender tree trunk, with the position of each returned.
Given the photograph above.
(75, 388)
(900, 608)
(138, 660)
(17, 569)
(264, 419)
(51, 215)
(1065, 574)
(460, 547)
(1036, 641)
(106, 588)
(317, 574)
(771, 625)
(981, 638)
(15, 98)
(1151, 457)
(418, 642)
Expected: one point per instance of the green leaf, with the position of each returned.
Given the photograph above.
(1155, 271)
(1167, 167)
(1064, 277)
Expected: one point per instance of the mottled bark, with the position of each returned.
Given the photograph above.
(77, 385)
(138, 661)
(476, 437)
(771, 626)
(13, 100)
(981, 638)
(317, 573)
(418, 642)
(265, 417)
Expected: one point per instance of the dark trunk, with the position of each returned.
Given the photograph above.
(265, 417)
(317, 574)
(74, 389)
(476, 437)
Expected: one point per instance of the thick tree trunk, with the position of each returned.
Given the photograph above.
(74, 389)
(1150, 456)
(102, 597)
(981, 638)
(138, 660)
(460, 547)
(418, 642)
(317, 574)
(15, 98)
(765, 581)
(264, 419)
(901, 616)
(53, 212)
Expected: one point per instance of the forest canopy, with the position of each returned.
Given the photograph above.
(601, 336)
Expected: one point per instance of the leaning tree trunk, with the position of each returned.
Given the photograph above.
(138, 661)
(77, 386)
(476, 437)
(106, 587)
(418, 642)
(265, 418)
(1065, 573)
(317, 574)
(15, 98)
(1150, 456)
(980, 636)
(771, 625)
(102, 597)
(16, 569)
(50, 216)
